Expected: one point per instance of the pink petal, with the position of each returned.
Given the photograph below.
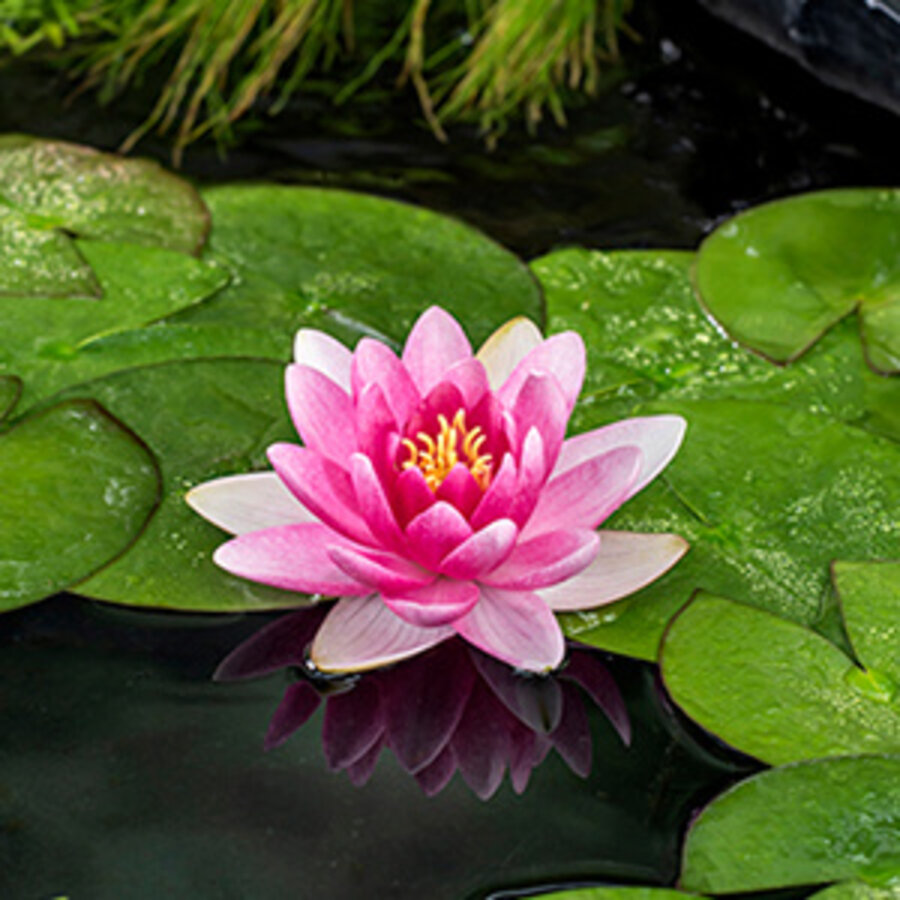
(460, 489)
(411, 495)
(381, 570)
(321, 351)
(585, 495)
(291, 557)
(507, 347)
(470, 379)
(439, 603)
(435, 342)
(436, 532)
(531, 477)
(562, 356)
(624, 564)
(375, 425)
(373, 502)
(322, 413)
(375, 363)
(323, 487)
(497, 498)
(364, 634)
(544, 560)
(482, 552)
(658, 438)
(352, 725)
(540, 404)
(516, 627)
(299, 702)
(242, 503)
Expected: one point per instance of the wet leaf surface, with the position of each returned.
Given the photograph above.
(777, 276)
(616, 893)
(10, 390)
(53, 191)
(77, 489)
(808, 823)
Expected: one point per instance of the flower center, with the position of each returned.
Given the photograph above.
(454, 443)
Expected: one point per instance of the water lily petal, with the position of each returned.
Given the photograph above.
(470, 379)
(516, 627)
(497, 498)
(291, 557)
(561, 355)
(321, 351)
(322, 412)
(435, 342)
(436, 532)
(507, 347)
(358, 635)
(460, 489)
(532, 475)
(376, 431)
(322, 486)
(376, 363)
(373, 502)
(658, 438)
(411, 495)
(482, 552)
(624, 564)
(242, 503)
(585, 495)
(382, 570)
(540, 404)
(352, 725)
(439, 603)
(547, 559)
(299, 702)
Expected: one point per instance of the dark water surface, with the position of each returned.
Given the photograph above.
(126, 773)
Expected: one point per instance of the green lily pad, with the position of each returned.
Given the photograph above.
(52, 342)
(351, 262)
(870, 601)
(77, 489)
(52, 191)
(808, 823)
(767, 495)
(858, 890)
(202, 419)
(772, 688)
(10, 391)
(777, 276)
(647, 338)
(616, 893)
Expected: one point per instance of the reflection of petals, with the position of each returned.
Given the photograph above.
(572, 738)
(352, 725)
(437, 774)
(481, 743)
(587, 671)
(300, 701)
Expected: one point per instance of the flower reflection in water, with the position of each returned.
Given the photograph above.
(450, 708)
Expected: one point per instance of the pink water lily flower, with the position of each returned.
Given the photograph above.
(436, 495)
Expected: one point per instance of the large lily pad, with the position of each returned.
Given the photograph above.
(809, 823)
(767, 495)
(775, 689)
(202, 419)
(77, 489)
(354, 264)
(10, 391)
(617, 893)
(647, 338)
(858, 890)
(52, 191)
(53, 342)
(777, 276)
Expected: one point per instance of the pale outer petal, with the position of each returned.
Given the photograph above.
(506, 347)
(242, 503)
(321, 351)
(362, 633)
(625, 563)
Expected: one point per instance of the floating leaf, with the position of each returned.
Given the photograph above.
(616, 893)
(10, 391)
(775, 689)
(202, 419)
(858, 890)
(647, 338)
(809, 823)
(777, 276)
(52, 342)
(52, 191)
(767, 495)
(77, 489)
(359, 264)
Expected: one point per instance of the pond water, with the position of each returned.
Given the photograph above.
(125, 772)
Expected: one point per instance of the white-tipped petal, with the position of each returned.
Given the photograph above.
(321, 351)
(507, 347)
(243, 503)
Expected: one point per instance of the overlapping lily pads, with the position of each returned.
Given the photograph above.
(202, 419)
(810, 823)
(53, 191)
(77, 489)
(777, 276)
(354, 264)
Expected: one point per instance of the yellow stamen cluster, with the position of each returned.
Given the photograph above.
(454, 443)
